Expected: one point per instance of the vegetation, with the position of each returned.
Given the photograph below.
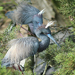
(63, 59)
(66, 8)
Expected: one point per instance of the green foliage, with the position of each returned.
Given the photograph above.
(4, 38)
(67, 9)
(66, 60)
(28, 65)
(5, 6)
(1, 8)
(63, 59)
(3, 70)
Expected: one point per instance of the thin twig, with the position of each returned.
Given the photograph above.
(39, 64)
(62, 37)
(27, 31)
(45, 69)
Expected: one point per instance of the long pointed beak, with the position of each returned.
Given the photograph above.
(39, 24)
(49, 35)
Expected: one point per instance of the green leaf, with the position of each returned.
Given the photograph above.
(1, 8)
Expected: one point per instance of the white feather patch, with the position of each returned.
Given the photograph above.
(41, 12)
(50, 23)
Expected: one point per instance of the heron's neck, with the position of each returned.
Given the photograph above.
(44, 43)
(31, 27)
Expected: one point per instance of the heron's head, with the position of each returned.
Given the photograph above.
(38, 19)
(46, 31)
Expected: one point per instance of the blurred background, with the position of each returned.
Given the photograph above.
(63, 11)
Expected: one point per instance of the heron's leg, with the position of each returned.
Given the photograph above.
(20, 68)
(11, 27)
(36, 59)
(14, 67)
(21, 65)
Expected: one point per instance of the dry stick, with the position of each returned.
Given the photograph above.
(36, 59)
(39, 64)
(45, 69)
(63, 37)
(27, 31)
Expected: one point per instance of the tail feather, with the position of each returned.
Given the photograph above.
(6, 60)
(9, 14)
(6, 64)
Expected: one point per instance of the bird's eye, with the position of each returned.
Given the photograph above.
(41, 32)
(37, 22)
(47, 33)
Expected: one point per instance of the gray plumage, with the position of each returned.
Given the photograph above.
(26, 14)
(20, 49)
(25, 47)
